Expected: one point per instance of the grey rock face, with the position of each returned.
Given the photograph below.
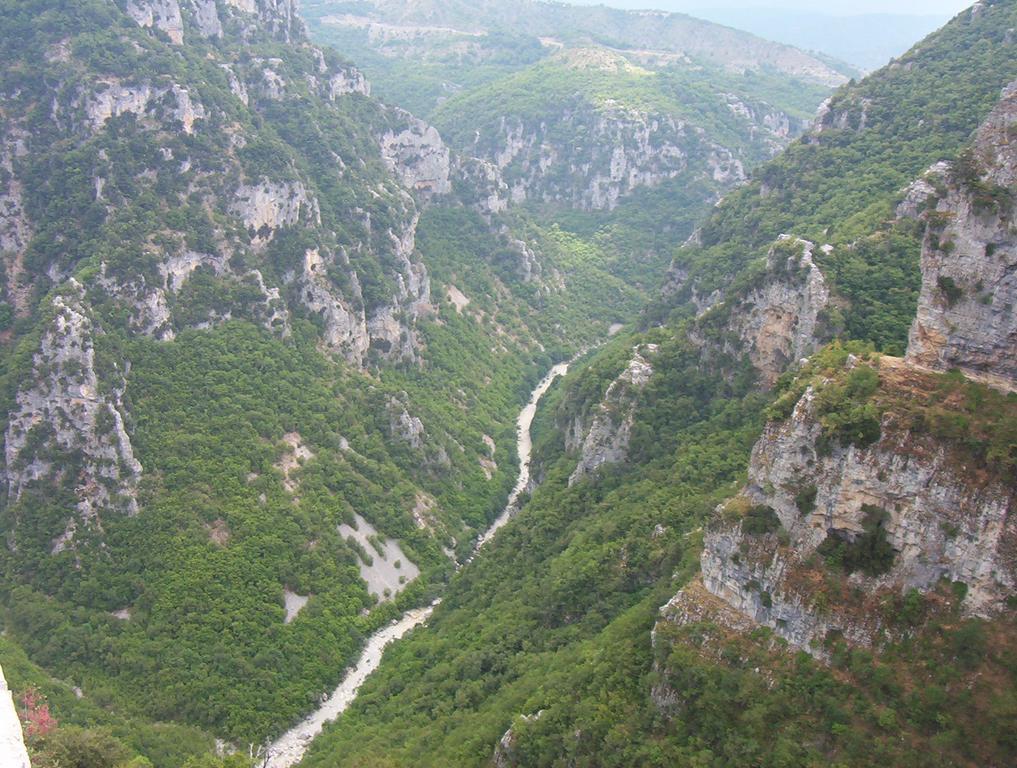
(269, 206)
(64, 410)
(417, 156)
(782, 319)
(966, 316)
(206, 17)
(625, 150)
(505, 755)
(942, 521)
(779, 320)
(161, 14)
(345, 326)
(112, 97)
(606, 440)
(12, 743)
(279, 17)
(405, 427)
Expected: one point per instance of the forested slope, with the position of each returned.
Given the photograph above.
(244, 303)
(840, 617)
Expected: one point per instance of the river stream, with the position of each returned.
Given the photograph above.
(289, 748)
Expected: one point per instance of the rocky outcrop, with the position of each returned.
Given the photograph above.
(625, 149)
(345, 326)
(12, 742)
(911, 496)
(775, 323)
(346, 81)
(505, 753)
(416, 155)
(606, 439)
(68, 424)
(161, 14)
(206, 18)
(402, 426)
(966, 316)
(269, 206)
(278, 17)
(112, 97)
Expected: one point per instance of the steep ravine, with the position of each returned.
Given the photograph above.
(289, 748)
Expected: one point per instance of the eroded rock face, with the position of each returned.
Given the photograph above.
(161, 14)
(269, 206)
(606, 440)
(505, 753)
(206, 18)
(779, 321)
(279, 17)
(782, 322)
(112, 98)
(65, 411)
(417, 156)
(12, 743)
(346, 81)
(966, 316)
(941, 520)
(345, 324)
(625, 150)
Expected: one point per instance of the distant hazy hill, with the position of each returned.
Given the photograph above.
(866, 41)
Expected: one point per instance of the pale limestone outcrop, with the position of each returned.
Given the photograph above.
(346, 81)
(206, 17)
(65, 409)
(279, 17)
(345, 326)
(777, 322)
(348, 330)
(271, 205)
(415, 154)
(402, 426)
(15, 228)
(505, 753)
(272, 86)
(778, 125)
(606, 440)
(942, 520)
(917, 196)
(161, 14)
(781, 321)
(626, 149)
(13, 753)
(148, 303)
(966, 316)
(111, 97)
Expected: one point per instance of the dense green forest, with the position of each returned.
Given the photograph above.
(218, 265)
(549, 634)
(176, 615)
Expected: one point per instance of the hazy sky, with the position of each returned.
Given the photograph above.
(839, 7)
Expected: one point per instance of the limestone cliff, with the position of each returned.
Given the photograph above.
(877, 488)
(605, 439)
(911, 500)
(12, 743)
(68, 425)
(966, 315)
(776, 321)
(416, 154)
(625, 149)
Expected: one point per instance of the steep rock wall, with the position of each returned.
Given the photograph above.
(12, 743)
(777, 321)
(68, 421)
(624, 150)
(966, 310)
(605, 440)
